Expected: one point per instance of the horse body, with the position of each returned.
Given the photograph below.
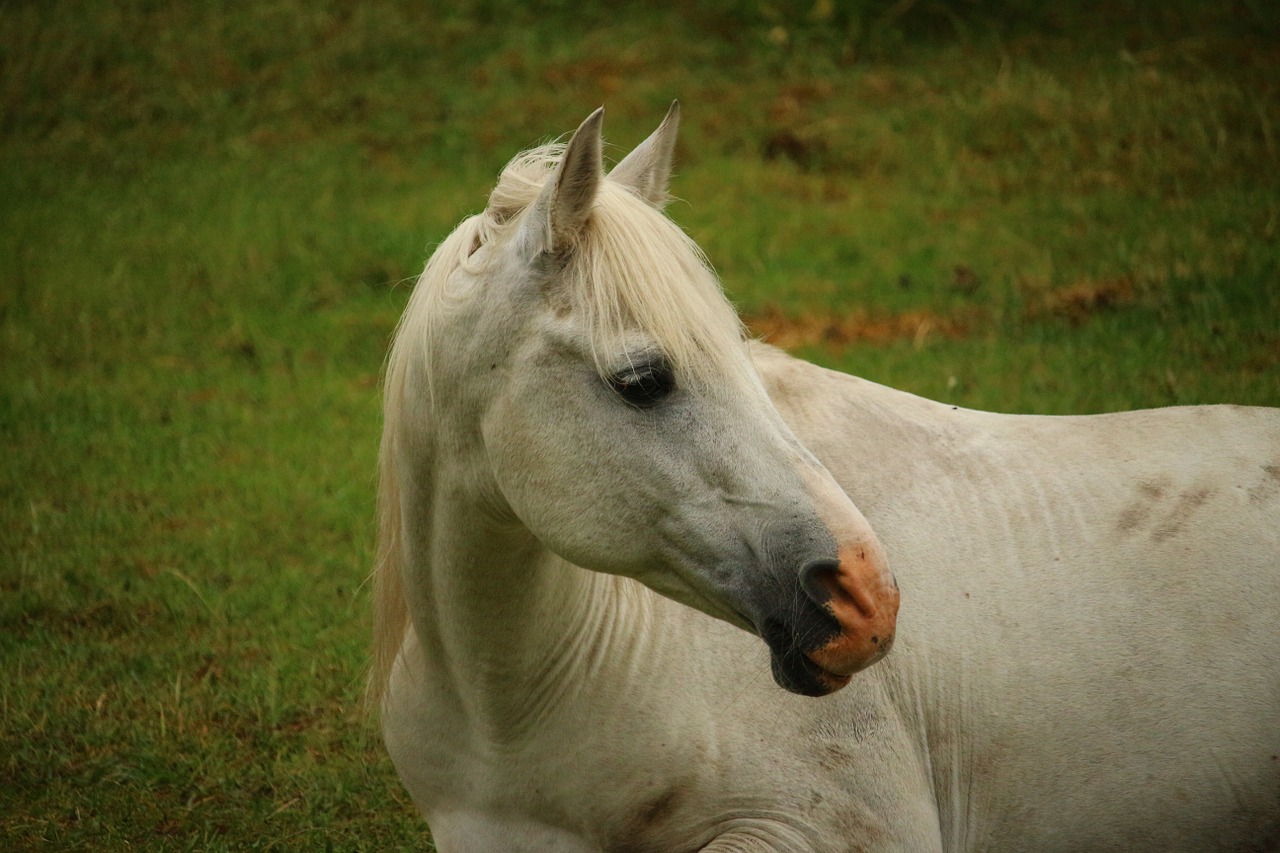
(1085, 657)
(1089, 646)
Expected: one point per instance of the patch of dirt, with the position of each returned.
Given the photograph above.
(838, 330)
(802, 149)
(1078, 302)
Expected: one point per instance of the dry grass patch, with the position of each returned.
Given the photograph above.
(816, 329)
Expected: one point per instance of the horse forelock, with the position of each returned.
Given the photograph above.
(633, 270)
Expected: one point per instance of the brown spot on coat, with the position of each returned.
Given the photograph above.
(636, 835)
(1133, 516)
(1187, 504)
(660, 807)
(1152, 489)
(1138, 512)
(1268, 487)
(1156, 505)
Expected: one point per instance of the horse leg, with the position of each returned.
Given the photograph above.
(759, 838)
(775, 838)
(478, 832)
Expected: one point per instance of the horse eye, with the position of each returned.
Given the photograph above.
(645, 385)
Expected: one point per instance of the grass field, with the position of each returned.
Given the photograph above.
(211, 216)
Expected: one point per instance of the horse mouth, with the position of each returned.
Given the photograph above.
(798, 673)
(793, 669)
(793, 662)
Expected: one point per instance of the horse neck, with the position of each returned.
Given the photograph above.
(509, 627)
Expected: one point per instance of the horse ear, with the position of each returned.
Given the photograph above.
(562, 208)
(647, 169)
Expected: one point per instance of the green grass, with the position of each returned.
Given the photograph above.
(210, 218)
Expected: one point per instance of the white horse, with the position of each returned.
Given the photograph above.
(597, 498)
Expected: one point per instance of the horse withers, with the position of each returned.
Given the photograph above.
(597, 498)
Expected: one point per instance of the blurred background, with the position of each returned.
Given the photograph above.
(212, 214)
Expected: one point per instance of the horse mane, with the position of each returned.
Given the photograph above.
(631, 268)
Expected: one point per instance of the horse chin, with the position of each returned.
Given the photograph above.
(797, 673)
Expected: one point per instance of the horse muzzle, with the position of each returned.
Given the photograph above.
(844, 624)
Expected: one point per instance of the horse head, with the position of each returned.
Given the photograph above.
(591, 385)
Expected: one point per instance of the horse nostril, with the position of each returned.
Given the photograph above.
(818, 577)
(823, 582)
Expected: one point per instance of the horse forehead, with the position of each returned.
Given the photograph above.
(556, 297)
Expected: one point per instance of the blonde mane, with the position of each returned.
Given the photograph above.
(631, 269)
